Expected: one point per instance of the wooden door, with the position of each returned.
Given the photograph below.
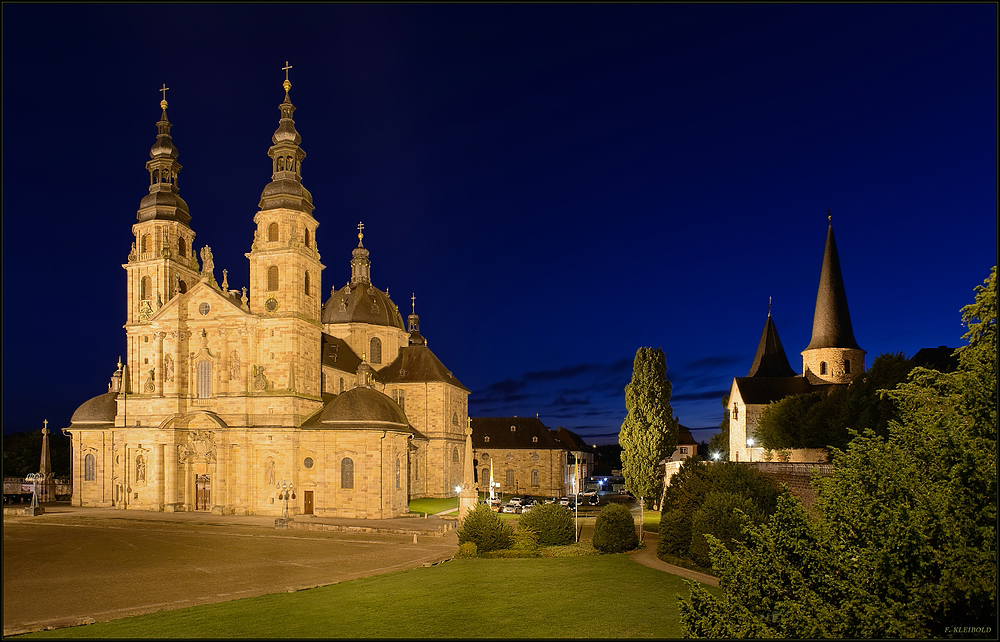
(203, 492)
(307, 499)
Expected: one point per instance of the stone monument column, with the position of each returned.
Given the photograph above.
(45, 466)
(469, 496)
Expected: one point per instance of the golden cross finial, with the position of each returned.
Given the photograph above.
(287, 84)
(829, 216)
(163, 101)
(413, 301)
(361, 231)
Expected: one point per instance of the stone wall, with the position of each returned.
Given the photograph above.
(796, 476)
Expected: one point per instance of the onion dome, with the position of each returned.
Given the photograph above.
(285, 191)
(97, 411)
(163, 201)
(832, 320)
(359, 301)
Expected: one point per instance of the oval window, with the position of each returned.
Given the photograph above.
(204, 308)
(308, 463)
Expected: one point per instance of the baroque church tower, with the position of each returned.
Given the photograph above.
(285, 268)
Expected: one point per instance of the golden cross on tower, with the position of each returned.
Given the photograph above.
(413, 301)
(163, 90)
(829, 216)
(287, 84)
(361, 231)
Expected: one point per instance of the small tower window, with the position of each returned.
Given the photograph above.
(89, 468)
(375, 352)
(272, 278)
(736, 412)
(307, 283)
(180, 247)
(822, 367)
(397, 472)
(454, 419)
(454, 455)
(144, 290)
(204, 380)
(341, 384)
(847, 366)
(307, 237)
(145, 243)
(347, 473)
(272, 232)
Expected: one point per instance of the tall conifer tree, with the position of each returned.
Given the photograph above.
(649, 432)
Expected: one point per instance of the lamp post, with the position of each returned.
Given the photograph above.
(34, 478)
(285, 492)
(576, 497)
(750, 445)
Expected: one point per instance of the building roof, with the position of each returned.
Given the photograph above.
(763, 390)
(770, 360)
(941, 358)
(570, 439)
(361, 303)
(99, 410)
(684, 436)
(501, 436)
(832, 320)
(338, 354)
(360, 408)
(416, 363)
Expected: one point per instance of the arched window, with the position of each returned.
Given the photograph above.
(536, 479)
(341, 384)
(454, 419)
(847, 366)
(454, 455)
(156, 176)
(485, 476)
(822, 367)
(272, 232)
(397, 472)
(375, 352)
(180, 247)
(307, 283)
(145, 243)
(347, 473)
(89, 468)
(736, 412)
(272, 278)
(307, 237)
(144, 289)
(510, 477)
(204, 379)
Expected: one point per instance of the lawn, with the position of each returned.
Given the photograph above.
(433, 505)
(595, 596)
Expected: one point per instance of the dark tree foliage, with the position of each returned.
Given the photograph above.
(720, 442)
(22, 453)
(905, 542)
(722, 515)
(649, 433)
(681, 535)
(831, 419)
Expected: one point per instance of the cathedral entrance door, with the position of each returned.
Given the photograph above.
(203, 492)
(307, 499)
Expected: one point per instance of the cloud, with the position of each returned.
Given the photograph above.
(700, 396)
(575, 371)
(716, 361)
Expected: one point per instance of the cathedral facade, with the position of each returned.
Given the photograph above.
(832, 358)
(226, 395)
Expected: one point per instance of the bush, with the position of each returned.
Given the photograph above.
(614, 531)
(675, 533)
(552, 522)
(718, 516)
(485, 528)
(468, 549)
(525, 539)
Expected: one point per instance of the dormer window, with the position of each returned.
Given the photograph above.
(486, 439)
(513, 428)
(534, 440)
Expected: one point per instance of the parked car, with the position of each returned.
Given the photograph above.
(594, 500)
(551, 500)
(564, 501)
(516, 501)
(509, 508)
(525, 509)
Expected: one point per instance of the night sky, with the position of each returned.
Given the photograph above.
(558, 184)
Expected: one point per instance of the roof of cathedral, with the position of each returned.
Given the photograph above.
(285, 191)
(763, 390)
(338, 354)
(416, 363)
(569, 439)
(361, 303)
(360, 408)
(770, 360)
(101, 409)
(163, 201)
(508, 433)
(832, 320)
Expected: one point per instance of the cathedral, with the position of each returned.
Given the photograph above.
(226, 395)
(832, 358)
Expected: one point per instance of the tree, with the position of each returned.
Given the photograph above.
(22, 453)
(649, 432)
(905, 541)
(720, 442)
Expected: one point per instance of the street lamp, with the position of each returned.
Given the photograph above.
(715, 456)
(34, 478)
(576, 497)
(750, 445)
(285, 492)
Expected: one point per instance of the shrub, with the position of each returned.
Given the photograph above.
(486, 529)
(675, 533)
(525, 539)
(552, 522)
(614, 531)
(468, 549)
(722, 515)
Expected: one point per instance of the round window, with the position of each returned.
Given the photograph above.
(308, 463)
(204, 308)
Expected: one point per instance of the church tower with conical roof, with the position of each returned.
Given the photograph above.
(833, 355)
(285, 268)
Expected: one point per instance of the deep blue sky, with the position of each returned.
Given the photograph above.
(558, 184)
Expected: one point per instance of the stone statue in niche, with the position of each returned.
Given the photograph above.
(149, 386)
(234, 365)
(140, 469)
(225, 280)
(260, 381)
(168, 367)
(159, 301)
(133, 255)
(207, 262)
(269, 472)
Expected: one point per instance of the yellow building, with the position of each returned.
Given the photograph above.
(225, 393)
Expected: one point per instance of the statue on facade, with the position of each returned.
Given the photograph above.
(207, 263)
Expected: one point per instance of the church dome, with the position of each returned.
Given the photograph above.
(101, 409)
(163, 199)
(361, 303)
(362, 405)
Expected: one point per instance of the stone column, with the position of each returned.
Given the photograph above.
(76, 453)
(160, 373)
(170, 478)
(188, 486)
(160, 475)
(224, 362)
(219, 479)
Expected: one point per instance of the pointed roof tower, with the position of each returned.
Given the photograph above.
(770, 360)
(285, 189)
(163, 201)
(832, 320)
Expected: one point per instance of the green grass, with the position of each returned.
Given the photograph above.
(433, 505)
(651, 521)
(594, 596)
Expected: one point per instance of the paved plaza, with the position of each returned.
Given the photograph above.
(74, 565)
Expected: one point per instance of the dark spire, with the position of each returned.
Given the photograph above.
(770, 360)
(163, 201)
(285, 189)
(832, 320)
(416, 339)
